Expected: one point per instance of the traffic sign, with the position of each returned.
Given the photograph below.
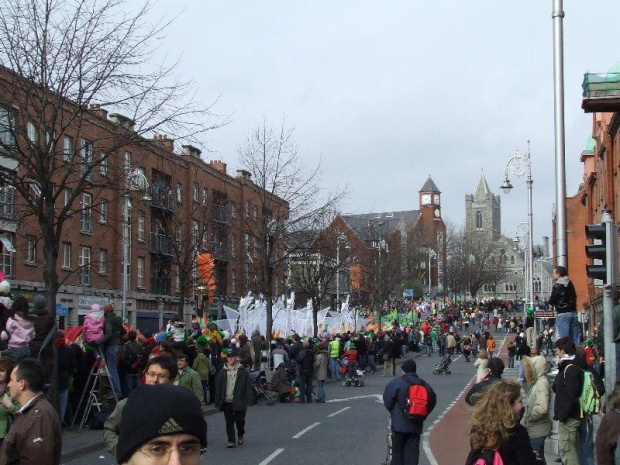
(61, 310)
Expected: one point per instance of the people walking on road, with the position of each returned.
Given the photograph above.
(388, 355)
(512, 353)
(466, 346)
(189, 378)
(536, 418)
(405, 431)
(496, 427)
(608, 434)
(162, 424)
(334, 355)
(320, 371)
(481, 365)
(490, 346)
(306, 373)
(564, 299)
(161, 369)
(35, 435)
(567, 387)
(233, 395)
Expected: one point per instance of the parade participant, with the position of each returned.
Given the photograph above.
(189, 378)
(35, 435)
(162, 424)
(496, 427)
(564, 299)
(233, 395)
(406, 432)
(159, 370)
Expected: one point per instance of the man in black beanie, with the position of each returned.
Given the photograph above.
(405, 430)
(162, 423)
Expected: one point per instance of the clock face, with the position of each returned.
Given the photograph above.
(425, 199)
(437, 213)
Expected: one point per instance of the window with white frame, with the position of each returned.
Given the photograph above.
(103, 164)
(66, 255)
(233, 210)
(103, 208)
(103, 261)
(31, 250)
(141, 267)
(84, 275)
(196, 192)
(247, 209)
(233, 246)
(141, 226)
(7, 126)
(205, 196)
(35, 188)
(86, 214)
(7, 255)
(179, 192)
(233, 281)
(195, 233)
(127, 162)
(255, 213)
(68, 193)
(86, 155)
(246, 272)
(254, 247)
(247, 245)
(67, 149)
(33, 132)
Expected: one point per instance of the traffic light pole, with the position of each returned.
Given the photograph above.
(608, 300)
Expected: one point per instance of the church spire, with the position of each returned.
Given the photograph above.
(483, 188)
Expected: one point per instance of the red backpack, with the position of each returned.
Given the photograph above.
(416, 405)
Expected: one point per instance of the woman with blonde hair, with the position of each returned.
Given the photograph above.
(496, 427)
(608, 432)
(536, 419)
(481, 364)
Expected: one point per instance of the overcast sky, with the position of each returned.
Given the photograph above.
(388, 93)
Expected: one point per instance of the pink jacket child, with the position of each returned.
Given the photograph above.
(92, 330)
(18, 331)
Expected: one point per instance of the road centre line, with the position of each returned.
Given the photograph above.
(305, 430)
(272, 456)
(337, 412)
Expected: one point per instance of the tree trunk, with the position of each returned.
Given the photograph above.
(50, 276)
(315, 314)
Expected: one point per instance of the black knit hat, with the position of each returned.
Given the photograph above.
(159, 410)
(409, 366)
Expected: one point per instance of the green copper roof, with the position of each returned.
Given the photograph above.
(590, 145)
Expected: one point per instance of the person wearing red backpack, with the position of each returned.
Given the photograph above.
(407, 429)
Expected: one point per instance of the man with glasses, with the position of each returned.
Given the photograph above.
(159, 370)
(162, 424)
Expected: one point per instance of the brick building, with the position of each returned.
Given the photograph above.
(187, 206)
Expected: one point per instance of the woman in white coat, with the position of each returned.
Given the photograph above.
(481, 364)
(536, 418)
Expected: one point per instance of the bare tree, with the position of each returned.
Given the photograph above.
(65, 64)
(289, 199)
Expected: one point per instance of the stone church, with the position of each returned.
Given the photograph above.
(483, 215)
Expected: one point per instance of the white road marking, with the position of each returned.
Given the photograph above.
(272, 456)
(337, 412)
(305, 430)
(377, 396)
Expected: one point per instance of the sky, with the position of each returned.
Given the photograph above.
(384, 94)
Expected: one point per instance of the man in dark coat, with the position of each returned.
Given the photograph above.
(567, 387)
(496, 368)
(42, 325)
(564, 299)
(306, 372)
(406, 432)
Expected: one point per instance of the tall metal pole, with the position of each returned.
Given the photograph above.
(125, 254)
(338, 275)
(429, 271)
(530, 247)
(558, 107)
(608, 301)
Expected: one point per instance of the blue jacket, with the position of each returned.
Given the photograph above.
(395, 396)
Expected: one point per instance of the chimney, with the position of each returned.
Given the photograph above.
(218, 165)
(96, 109)
(191, 150)
(162, 141)
(122, 121)
(244, 174)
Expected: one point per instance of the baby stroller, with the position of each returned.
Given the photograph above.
(443, 366)
(259, 388)
(354, 376)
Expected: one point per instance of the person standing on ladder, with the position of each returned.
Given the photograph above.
(110, 345)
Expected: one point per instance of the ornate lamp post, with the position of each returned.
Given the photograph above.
(521, 165)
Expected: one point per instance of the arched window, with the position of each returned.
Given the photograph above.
(512, 259)
(478, 220)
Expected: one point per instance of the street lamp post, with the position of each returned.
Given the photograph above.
(431, 255)
(521, 165)
(340, 237)
(134, 181)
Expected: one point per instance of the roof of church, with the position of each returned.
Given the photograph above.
(483, 188)
(430, 186)
(369, 225)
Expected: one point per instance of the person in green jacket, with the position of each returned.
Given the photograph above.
(189, 378)
(7, 407)
(334, 355)
(202, 366)
(159, 370)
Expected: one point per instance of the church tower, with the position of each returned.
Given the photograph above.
(483, 211)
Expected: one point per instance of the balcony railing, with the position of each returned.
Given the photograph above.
(161, 244)
(7, 205)
(601, 92)
(219, 214)
(162, 198)
(161, 285)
